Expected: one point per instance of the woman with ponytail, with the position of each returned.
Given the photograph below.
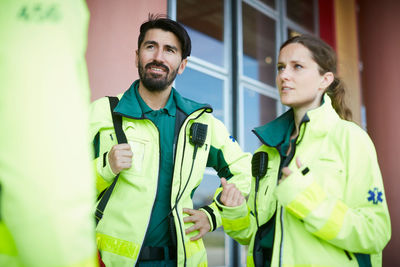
(317, 195)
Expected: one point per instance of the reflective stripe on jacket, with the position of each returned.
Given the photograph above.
(121, 232)
(330, 212)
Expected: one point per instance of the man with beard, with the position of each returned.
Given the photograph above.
(149, 219)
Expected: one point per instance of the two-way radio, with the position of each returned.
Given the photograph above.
(259, 166)
(197, 137)
(198, 134)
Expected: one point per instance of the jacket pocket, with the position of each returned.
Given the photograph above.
(138, 148)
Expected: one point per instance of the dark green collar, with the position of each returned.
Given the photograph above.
(129, 105)
(170, 107)
(277, 131)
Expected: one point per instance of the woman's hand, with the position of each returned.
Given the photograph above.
(286, 171)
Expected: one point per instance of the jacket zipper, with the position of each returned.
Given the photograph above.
(180, 181)
(176, 204)
(281, 217)
(281, 245)
(159, 158)
(155, 194)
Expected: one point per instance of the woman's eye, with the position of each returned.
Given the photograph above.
(297, 66)
(280, 68)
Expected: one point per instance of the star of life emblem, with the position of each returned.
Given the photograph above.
(375, 196)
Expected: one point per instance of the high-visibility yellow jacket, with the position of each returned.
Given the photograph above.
(330, 212)
(121, 231)
(46, 175)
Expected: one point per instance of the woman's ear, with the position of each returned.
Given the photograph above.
(327, 79)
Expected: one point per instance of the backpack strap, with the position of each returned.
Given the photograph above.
(117, 120)
(121, 138)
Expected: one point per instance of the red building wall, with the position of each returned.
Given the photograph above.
(379, 33)
(327, 29)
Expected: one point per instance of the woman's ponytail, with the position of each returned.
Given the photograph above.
(336, 91)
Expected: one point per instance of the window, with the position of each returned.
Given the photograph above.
(206, 89)
(206, 80)
(232, 67)
(204, 21)
(302, 13)
(258, 110)
(259, 45)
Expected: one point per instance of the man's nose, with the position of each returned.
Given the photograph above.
(158, 55)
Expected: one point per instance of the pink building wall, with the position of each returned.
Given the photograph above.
(112, 42)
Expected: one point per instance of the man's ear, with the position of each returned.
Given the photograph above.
(137, 58)
(327, 79)
(182, 66)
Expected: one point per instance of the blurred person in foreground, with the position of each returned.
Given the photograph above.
(46, 177)
(317, 195)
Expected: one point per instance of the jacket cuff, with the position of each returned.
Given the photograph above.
(211, 217)
(233, 212)
(229, 212)
(214, 217)
(299, 193)
(235, 218)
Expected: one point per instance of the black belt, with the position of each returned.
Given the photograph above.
(157, 253)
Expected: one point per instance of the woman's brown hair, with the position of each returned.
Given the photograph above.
(325, 57)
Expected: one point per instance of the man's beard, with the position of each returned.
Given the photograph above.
(156, 83)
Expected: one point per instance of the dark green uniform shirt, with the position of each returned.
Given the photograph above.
(157, 233)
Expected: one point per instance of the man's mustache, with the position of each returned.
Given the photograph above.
(156, 64)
